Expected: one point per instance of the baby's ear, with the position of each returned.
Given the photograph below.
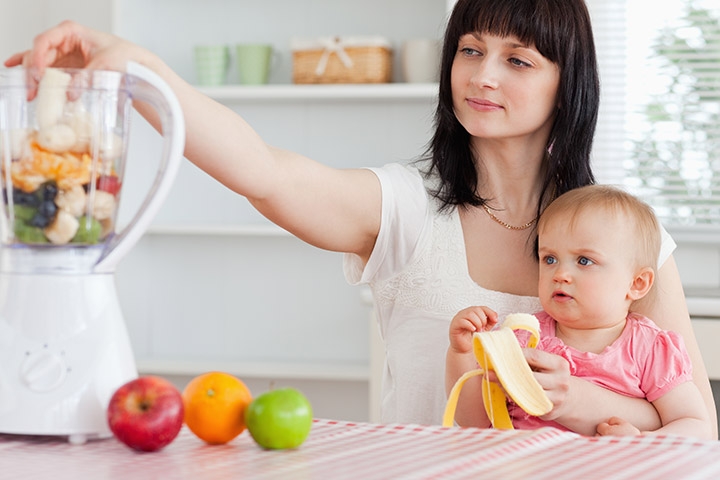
(641, 284)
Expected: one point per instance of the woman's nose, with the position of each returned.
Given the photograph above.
(486, 74)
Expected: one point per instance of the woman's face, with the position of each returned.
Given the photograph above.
(503, 89)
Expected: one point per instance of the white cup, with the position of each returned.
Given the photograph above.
(421, 60)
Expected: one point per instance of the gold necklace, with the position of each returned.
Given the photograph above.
(507, 225)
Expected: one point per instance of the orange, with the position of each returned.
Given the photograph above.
(215, 404)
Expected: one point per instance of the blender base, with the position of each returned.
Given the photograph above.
(64, 350)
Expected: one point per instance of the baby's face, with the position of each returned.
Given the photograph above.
(586, 268)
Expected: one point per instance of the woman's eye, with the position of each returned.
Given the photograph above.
(469, 51)
(518, 63)
(585, 261)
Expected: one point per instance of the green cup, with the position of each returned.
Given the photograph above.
(253, 63)
(211, 64)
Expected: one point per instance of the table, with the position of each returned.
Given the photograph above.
(347, 450)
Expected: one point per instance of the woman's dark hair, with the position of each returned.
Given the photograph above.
(562, 33)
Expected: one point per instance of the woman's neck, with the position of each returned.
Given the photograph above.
(510, 176)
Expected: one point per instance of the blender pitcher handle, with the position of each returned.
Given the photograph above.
(173, 129)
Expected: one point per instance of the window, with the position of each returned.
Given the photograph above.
(659, 126)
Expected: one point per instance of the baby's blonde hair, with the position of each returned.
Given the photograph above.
(645, 226)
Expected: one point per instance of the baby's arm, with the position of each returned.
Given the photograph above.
(682, 411)
(461, 359)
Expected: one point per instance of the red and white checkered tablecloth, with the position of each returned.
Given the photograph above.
(347, 450)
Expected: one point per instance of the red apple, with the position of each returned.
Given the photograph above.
(146, 413)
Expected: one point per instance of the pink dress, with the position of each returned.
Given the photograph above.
(644, 362)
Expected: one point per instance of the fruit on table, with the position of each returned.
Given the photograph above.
(146, 413)
(215, 404)
(279, 419)
(500, 351)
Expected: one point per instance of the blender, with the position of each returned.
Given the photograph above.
(64, 347)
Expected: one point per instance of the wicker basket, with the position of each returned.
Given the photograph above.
(342, 60)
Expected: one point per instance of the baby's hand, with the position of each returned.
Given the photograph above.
(617, 427)
(466, 322)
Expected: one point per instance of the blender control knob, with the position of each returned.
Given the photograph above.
(43, 371)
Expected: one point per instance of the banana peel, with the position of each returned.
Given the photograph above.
(498, 350)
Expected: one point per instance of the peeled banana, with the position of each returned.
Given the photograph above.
(499, 350)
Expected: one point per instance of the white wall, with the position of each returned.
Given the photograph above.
(22, 20)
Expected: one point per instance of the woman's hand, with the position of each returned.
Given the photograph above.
(71, 45)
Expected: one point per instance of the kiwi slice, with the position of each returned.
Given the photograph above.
(88, 231)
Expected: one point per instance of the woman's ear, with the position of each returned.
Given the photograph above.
(642, 283)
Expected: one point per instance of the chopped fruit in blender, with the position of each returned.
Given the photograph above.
(103, 205)
(66, 169)
(58, 138)
(49, 191)
(23, 213)
(109, 183)
(51, 97)
(45, 214)
(72, 200)
(27, 234)
(88, 231)
(63, 229)
(53, 170)
(25, 198)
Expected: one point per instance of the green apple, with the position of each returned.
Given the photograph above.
(279, 419)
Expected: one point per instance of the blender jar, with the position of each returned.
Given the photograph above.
(62, 159)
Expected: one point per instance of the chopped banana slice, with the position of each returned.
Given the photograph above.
(57, 138)
(63, 228)
(51, 97)
(499, 350)
(103, 205)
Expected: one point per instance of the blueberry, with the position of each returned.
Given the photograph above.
(48, 191)
(45, 214)
(24, 198)
(47, 209)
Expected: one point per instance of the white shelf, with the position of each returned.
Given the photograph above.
(382, 91)
(251, 230)
(286, 370)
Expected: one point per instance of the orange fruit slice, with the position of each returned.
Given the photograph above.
(215, 404)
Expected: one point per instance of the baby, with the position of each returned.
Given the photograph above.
(598, 248)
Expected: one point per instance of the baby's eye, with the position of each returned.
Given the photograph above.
(549, 260)
(585, 261)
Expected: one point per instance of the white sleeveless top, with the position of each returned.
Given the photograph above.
(419, 278)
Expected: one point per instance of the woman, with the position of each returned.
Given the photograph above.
(515, 120)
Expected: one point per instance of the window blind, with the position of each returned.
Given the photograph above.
(658, 130)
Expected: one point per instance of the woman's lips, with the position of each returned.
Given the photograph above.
(483, 105)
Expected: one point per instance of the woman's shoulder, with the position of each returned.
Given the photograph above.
(408, 186)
